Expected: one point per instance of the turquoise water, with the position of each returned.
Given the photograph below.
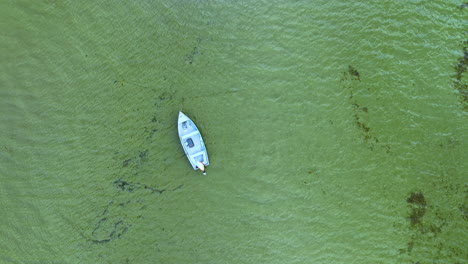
(336, 132)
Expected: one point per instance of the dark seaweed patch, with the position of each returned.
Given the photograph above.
(460, 85)
(367, 136)
(123, 185)
(154, 190)
(417, 215)
(119, 229)
(107, 231)
(165, 96)
(410, 246)
(142, 155)
(417, 198)
(351, 82)
(178, 187)
(354, 73)
(158, 123)
(110, 226)
(362, 126)
(464, 211)
(112, 223)
(418, 208)
(426, 222)
(189, 58)
(150, 132)
(130, 187)
(358, 107)
(126, 162)
(119, 82)
(124, 82)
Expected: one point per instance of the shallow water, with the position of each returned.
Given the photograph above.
(336, 132)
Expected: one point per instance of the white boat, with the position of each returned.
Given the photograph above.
(192, 142)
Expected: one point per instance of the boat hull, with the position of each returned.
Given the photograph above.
(192, 141)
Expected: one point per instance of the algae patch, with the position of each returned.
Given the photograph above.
(418, 208)
(460, 83)
(351, 82)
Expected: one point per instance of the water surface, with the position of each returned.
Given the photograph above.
(336, 132)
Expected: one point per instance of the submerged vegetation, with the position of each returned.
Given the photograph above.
(351, 81)
(459, 83)
(418, 208)
(354, 73)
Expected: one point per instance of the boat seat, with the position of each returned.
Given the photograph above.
(191, 134)
(198, 154)
(186, 125)
(190, 143)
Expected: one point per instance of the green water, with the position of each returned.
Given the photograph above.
(337, 131)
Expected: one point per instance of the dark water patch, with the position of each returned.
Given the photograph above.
(464, 211)
(177, 188)
(351, 81)
(107, 230)
(426, 223)
(163, 101)
(119, 82)
(153, 190)
(130, 187)
(410, 246)
(126, 162)
(353, 73)
(449, 143)
(313, 171)
(463, 208)
(111, 224)
(360, 108)
(462, 64)
(189, 58)
(417, 198)
(114, 221)
(416, 216)
(418, 208)
(124, 186)
(118, 230)
(102, 241)
(141, 157)
(443, 215)
(460, 83)
(364, 128)
(150, 132)
(124, 82)
(367, 136)
(164, 96)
